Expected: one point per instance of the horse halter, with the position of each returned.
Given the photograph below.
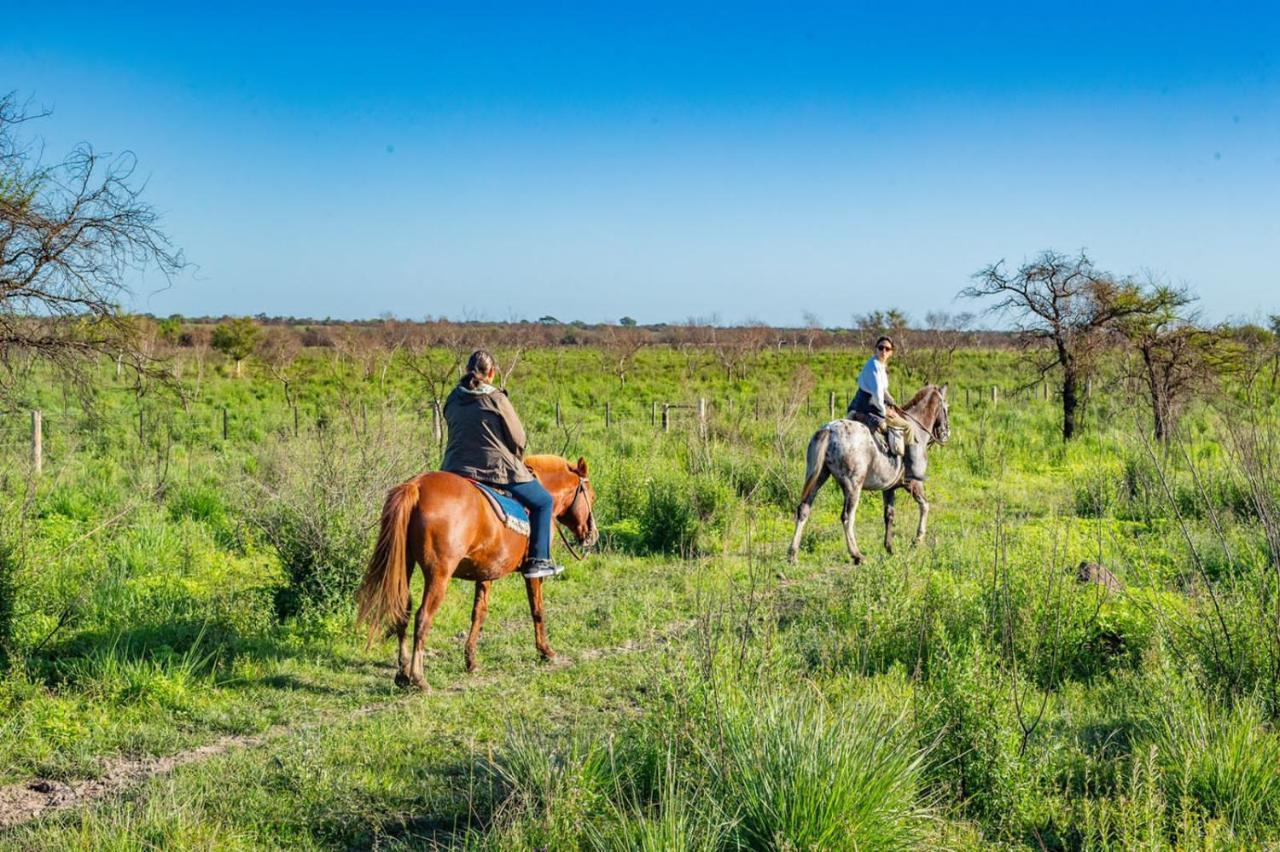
(932, 438)
(578, 492)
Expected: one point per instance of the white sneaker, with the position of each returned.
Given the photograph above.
(536, 569)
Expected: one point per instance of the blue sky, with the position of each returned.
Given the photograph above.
(671, 161)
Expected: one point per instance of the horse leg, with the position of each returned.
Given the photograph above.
(403, 657)
(852, 493)
(889, 497)
(917, 491)
(437, 581)
(802, 516)
(534, 590)
(479, 610)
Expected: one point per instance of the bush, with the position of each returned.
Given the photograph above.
(317, 502)
(668, 521)
(975, 756)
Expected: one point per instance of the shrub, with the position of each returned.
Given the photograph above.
(317, 502)
(975, 755)
(668, 521)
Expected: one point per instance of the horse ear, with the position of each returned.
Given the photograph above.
(582, 467)
(944, 390)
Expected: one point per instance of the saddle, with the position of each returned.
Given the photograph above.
(509, 510)
(891, 442)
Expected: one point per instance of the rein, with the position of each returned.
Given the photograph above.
(582, 481)
(916, 420)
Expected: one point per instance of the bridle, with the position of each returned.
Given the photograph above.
(578, 492)
(933, 439)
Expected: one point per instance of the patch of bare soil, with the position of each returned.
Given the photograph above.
(28, 800)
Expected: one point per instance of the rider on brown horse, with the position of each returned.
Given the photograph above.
(486, 443)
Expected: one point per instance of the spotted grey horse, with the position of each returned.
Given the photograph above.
(846, 450)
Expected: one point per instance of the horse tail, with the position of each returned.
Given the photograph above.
(814, 460)
(384, 593)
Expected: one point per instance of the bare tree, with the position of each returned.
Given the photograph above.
(1063, 309)
(735, 348)
(619, 346)
(935, 349)
(73, 235)
(277, 351)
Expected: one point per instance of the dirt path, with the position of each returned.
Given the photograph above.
(29, 800)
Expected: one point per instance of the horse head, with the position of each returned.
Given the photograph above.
(570, 488)
(578, 514)
(941, 432)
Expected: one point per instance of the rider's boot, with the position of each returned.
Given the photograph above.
(536, 569)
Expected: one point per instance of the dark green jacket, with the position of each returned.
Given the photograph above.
(486, 437)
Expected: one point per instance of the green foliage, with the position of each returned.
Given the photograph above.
(146, 618)
(1224, 761)
(316, 502)
(8, 574)
(800, 774)
(236, 338)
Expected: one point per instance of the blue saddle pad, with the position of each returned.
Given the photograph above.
(515, 515)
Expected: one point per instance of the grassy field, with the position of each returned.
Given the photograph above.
(172, 587)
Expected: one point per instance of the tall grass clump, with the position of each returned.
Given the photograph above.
(1225, 761)
(8, 591)
(798, 773)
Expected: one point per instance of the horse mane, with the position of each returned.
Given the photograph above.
(920, 395)
(549, 462)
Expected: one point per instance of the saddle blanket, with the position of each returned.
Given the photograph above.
(508, 508)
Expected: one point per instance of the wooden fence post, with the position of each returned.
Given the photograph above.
(558, 420)
(437, 430)
(295, 421)
(653, 414)
(224, 423)
(37, 441)
(666, 416)
(608, 414)
(995, 394)
(702, 418)
(142, 434)
(831, 405)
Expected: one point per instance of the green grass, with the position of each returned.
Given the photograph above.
(962, 694)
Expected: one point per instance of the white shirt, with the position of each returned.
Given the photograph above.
(874, 379)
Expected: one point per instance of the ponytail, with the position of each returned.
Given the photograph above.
(479, 366)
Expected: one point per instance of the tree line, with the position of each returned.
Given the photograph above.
(74, 233)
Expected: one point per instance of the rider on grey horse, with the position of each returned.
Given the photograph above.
(874, 406)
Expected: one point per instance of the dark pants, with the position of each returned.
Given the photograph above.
(865, 404)
(538, 501)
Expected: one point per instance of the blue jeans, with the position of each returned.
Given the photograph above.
(538, 501)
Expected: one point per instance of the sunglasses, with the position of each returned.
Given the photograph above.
(883, 348)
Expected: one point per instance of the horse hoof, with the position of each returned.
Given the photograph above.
(420, 684)
(858, 559)
(548, 656)
(472, 665)
(402, 681)
(888, 548)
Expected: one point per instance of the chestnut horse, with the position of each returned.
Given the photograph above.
(442, 522)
